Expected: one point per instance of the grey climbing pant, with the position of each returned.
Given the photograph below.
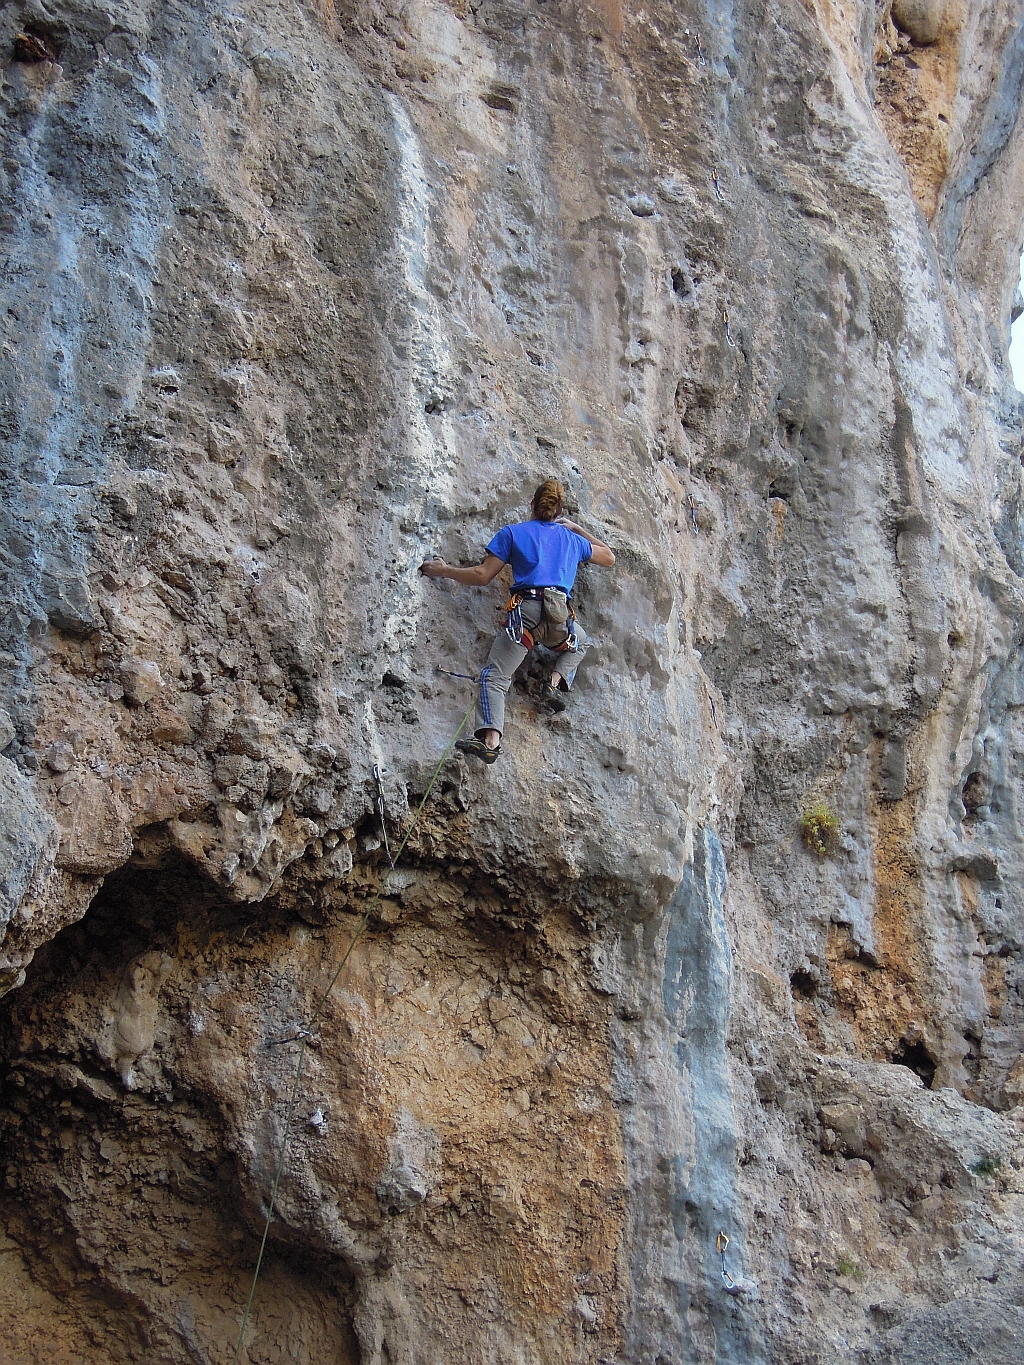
(506, 656)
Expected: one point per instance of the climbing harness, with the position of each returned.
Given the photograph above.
(729, 1284)
(381, 812)
(728, 330)
(517, 632)
(691, 502)
(718, 186)
(305, 1035)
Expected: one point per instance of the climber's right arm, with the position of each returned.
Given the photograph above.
(476, 577)
(600, 552)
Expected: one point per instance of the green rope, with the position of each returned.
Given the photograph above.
(290, 1112)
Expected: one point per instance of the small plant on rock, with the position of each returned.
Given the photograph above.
(986, 1166)
(821, 829)
(846, 1266)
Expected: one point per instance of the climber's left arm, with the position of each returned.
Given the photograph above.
(476, 577)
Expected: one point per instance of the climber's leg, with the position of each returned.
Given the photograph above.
(495, 680)
(568, 661)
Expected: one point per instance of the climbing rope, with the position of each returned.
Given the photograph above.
(303, 1035)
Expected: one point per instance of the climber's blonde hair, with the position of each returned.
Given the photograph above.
(548, 500)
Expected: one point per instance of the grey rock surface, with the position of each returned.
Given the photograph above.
(955, 1333)
(27, 838)
(298, 297)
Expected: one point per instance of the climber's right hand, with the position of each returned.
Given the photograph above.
(433, 568)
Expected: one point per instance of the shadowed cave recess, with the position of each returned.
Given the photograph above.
(692, 1031)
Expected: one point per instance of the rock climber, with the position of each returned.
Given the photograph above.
(544, 553)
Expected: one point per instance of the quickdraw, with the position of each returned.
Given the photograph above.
(718, 186)
(729, 1284)
(382, 813)
(451, 674)
(296, 1037)
(571, 639)
(728, 329)
(697, 44)
(514, 621)
(691, 502)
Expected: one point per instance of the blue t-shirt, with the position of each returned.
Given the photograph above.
(542, 553)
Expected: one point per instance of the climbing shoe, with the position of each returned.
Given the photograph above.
(478, 749)
(552, 698)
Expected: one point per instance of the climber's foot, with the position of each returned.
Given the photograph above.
(478, 749)
(552, 698)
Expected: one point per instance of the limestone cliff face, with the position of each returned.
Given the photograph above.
(300, 295)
